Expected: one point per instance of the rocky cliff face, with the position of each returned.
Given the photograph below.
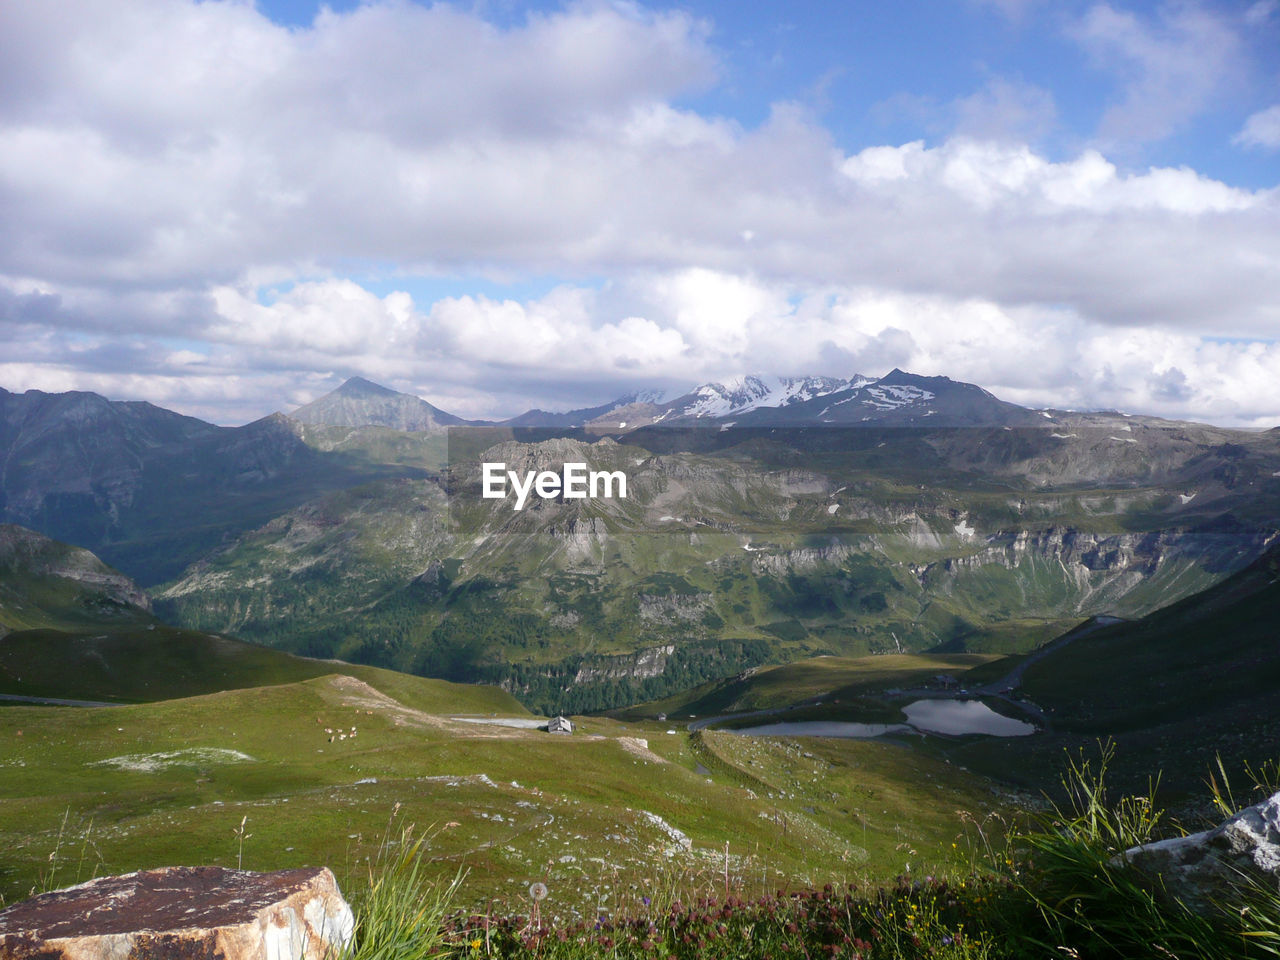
(637, 666)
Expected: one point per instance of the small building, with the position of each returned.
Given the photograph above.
(559, 725)
(662, 716)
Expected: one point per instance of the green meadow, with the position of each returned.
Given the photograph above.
(599, 816)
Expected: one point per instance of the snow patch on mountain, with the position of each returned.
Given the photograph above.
(893, 396)
(750, 392)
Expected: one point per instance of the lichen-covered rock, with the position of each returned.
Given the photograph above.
(1201, 867)
(183, 913)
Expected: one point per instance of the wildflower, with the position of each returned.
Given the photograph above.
(475, 944)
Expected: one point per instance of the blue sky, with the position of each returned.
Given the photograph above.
(228, 207)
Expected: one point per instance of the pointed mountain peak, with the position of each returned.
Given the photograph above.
(360, 387)
(363, 403)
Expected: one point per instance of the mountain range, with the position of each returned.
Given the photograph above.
(937, 517)
(898, 398)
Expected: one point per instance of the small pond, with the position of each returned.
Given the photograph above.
(950, 717)
(957, 717)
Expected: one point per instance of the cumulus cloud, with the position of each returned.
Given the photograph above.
(1262, 129)
(577, 345)
(165, 166)
(1170, 65)
(1006, 109)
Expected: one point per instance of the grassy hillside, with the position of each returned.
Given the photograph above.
(47, 584)
(1175, 689)
(591, 815)
(157, 662)
(793, 684)
(1215, 650)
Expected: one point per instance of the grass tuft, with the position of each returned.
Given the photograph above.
(1090, 903)
(400, 913)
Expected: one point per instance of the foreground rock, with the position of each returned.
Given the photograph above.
(1202, 867)
(183, 913)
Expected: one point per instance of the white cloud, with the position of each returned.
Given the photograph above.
(163, 163)
(574, 346)
(1170, 66)
(1006, 109)
(1260, 12)
(988, 175)
(1262, 129)
(482, 358)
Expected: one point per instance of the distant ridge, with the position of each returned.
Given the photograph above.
(581, 416)
(899, 398)
(363, 403)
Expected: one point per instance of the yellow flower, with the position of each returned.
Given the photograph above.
(475, 944)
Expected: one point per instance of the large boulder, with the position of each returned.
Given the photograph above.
(183, 913)
(1202, 867)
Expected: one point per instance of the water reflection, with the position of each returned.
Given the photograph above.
(957, 717)
(951, 717)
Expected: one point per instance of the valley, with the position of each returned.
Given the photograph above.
(303, 618)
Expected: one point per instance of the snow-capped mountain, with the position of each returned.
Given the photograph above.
(753, 392)
(751, 400)
(898, 399)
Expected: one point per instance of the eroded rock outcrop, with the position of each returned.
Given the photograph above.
(183, 913)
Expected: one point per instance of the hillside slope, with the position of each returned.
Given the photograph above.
(1176, 690)
(1218, 650)
(72, 628)
(47, 584)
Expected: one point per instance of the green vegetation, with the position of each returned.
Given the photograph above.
(801, 544)
(399, 915)
(1051, 886)
(47, 584)
(160, 663)
(794, 684)
(1176, 689)
(170, 782)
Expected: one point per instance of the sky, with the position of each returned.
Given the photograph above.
(227, 208)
